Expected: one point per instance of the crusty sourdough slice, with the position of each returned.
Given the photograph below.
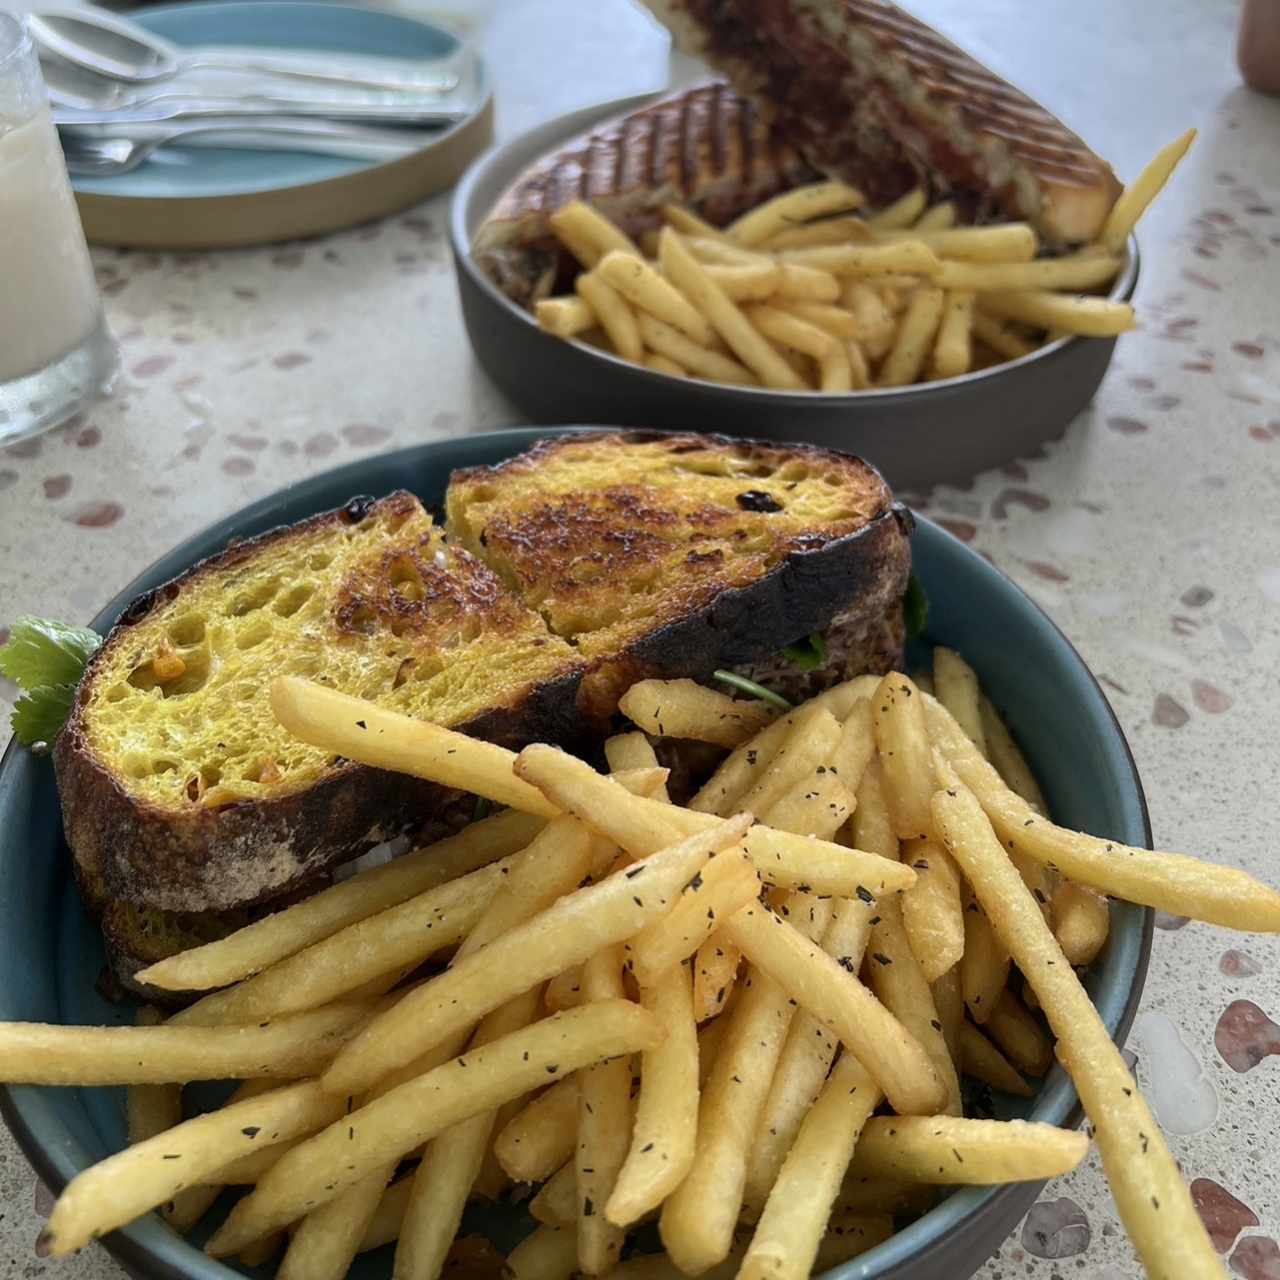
(179, 789)
(673, 554)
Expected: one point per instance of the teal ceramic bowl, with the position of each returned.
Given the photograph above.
(52, 952)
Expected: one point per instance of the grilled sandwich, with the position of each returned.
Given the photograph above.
(559, 578)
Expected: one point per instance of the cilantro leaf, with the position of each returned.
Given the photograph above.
(751, 687)
(42, 653)
(808, 654)
(40, 713)
(915, 608)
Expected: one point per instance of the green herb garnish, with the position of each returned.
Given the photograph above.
(751, 687)
(808, 654)
(46, 660)
(915, 608)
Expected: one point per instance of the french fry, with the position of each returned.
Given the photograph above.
(556, 1204)
(818, 983)
(666, 1119)
(564, 991)
(685, 709)
(262, 1251)
(984, 966)
(932, 912)
(902, 741)
(915, 338)
(980, 1059)
(746, 282)
(1002, 338)
(151, 1108)
(664, 364)
(644, 288)
(325, 1243)
(570, 931)
(837, 321)
(587, 253)
(384, 1226)
(287, 932)
(564, 317)
(787, 1237)
(953, 348)
(937, 217)
(725, 253)
(1009, 242)
(835, 374)
(363, 731)
(901, 213)
(909, 257)
(689, 275)
(412, 1113)
(632, 751)
(800, 283)
(856, 747)
(1043, 309)
(828, 231)
(876, 325)
(1135, 198)
(1081, 922)
(1075, 271)
(668, 341)
(282, 1048)
(789, 330)
(550, 1253)
(688, 222)
(813, 736)
(815, 806)
(800, 205)
(862, 1195)
(1018, 1034)
(126, 1185)
(957, 689)
(541, 1136)
(948, 999)
(950, 1149)
(1168, 881)
(582, 221)
(715, 970)
(1152, 1198)
(615, 317)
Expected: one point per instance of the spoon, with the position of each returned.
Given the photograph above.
(75, 88)
(104, 155)
(123, 50)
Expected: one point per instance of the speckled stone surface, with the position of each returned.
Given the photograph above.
(1149, 533)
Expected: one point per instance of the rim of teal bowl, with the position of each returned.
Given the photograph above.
(1058, 1097)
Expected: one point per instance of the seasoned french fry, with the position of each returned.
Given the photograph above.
(835, 373)
(1075, 271)
(363, 731)
(1043, 309)
(901, 213)
(1009, 242)
(588, 224)
(689, 275)
(556, 1204)
(1168, 881)
(325, 1243)
(957, 689)
(725, 253)
(800, 283)
(664, 364)
(151, 1108)
(1003, 752)
(644, 288)
(984, 966)
(541, 1136)
(815, 806)
(837, 321)
(813, 737)
(550, 1253)
(384, 1226)
(564, 317)
(951, 1149)
(700, 361)
(909, 257)
(851, 230)
(1018, 1034)
(685, 709)
(786, 1240)
(915, 338)
(625, 751)
(715, 970)
(876, 325)
(746, 282)
(953, 348)
(818, 983)
(932, 912)
(903, 745)
(937, 217)
(615, 317)
(278, 936)
(801, 205)
(1002, 338)
(1135, 198)
(1153, 1200)
(687, 221)
(587, 253)
(1081, 921)
(789, 330)
(948, 999)
(666, 1120)
(857, 745)
(980, 1059)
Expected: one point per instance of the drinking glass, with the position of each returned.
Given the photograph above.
(55, 352)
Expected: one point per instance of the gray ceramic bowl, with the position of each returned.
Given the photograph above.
(52, 951)
(917, 436)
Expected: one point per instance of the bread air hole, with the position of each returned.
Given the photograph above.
(293, 599)
(187, 631)
(253, 597)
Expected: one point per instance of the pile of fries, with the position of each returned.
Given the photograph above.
(805, 294)
(746, 1017)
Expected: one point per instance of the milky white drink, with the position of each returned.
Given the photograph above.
(48, 299)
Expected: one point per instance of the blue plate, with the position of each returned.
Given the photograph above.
(330, 28)
(53, 952)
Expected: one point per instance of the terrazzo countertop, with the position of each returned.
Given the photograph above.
(1149, 532)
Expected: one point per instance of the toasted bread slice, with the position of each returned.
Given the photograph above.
(180, 790)
(658, 554)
